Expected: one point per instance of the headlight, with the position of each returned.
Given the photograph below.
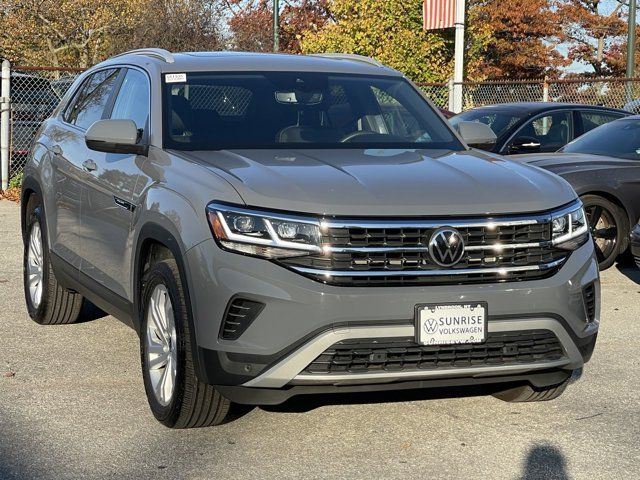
(570, 229)
(263, 234)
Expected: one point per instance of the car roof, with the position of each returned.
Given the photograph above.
(538, 107)
(225, 61)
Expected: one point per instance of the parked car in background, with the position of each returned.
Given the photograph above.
(61, 85)
(603, 166)
(538, 126)
(635, 244)
(33, 101)
(280, 225)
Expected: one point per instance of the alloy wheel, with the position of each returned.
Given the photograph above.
(35, 261)
(604, 231)
(161, 345)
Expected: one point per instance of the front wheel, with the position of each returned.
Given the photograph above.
(609, 228)
(176, 397)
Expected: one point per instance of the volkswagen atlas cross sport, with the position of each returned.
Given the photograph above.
(279, 225)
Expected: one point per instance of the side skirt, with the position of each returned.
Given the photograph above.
(73, 279)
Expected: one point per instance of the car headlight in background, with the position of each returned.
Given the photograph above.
(266, 235)
(570, 230)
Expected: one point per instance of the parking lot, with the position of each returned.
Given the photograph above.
(72, 405)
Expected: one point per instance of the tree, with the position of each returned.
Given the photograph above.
(513, 39)
(595, 38)
(80, 33)
(390, 31)
(251, 22)
(176, 25)
(61, 32)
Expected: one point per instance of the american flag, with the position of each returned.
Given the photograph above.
(438, 14)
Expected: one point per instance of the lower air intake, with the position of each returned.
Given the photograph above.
(239, 315)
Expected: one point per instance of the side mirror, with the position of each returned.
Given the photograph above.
(115, 136)
(524, 145)
(477, 135)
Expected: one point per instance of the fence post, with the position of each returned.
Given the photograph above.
(5, 113)
(545, 89)
(451, 98)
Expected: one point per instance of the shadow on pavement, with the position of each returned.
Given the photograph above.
(545, 462)
(626, 265)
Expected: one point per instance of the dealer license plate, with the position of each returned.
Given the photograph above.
(446, 324)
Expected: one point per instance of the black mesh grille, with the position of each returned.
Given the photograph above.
(240, 313)
(399, 354)
(589, 296)
(418, 238)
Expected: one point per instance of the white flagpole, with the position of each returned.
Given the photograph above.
(458, 68)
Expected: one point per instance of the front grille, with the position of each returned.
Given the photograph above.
(396, 253)
(402, 354)
(589, 297)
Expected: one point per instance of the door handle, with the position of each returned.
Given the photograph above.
(89, 165)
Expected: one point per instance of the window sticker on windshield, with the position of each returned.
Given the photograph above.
(175, 77)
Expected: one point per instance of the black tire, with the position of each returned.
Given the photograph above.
(609, 228)
(193, 403)
(57, 304)
(527, 393)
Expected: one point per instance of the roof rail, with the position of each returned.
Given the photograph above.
(158, 53)
(350, 56)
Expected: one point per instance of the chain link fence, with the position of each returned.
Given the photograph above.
(36, 91)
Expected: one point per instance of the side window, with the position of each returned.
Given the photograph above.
(552, 131)
(132, 102)
(593, 119)
(89, 104)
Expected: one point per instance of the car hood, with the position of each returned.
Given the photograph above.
(385, 182)
(563, 163)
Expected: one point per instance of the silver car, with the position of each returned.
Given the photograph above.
(281, 225)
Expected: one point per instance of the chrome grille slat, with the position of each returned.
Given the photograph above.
(395, 252)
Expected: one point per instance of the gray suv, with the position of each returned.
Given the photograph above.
(276, 225)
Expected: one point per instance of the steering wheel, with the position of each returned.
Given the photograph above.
(371, 136)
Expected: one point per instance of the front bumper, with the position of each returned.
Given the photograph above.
(303, 317)
(635, 244)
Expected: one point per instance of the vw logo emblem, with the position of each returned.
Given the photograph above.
(446, 246)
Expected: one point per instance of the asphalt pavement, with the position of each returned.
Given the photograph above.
(72, 405)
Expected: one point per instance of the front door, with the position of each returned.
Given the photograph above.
(69, 154)
(112, 194)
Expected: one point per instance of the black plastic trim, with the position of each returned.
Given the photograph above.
(266, 396)
(74, 279)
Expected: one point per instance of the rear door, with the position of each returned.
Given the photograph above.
(112, 193)
(587, 119)
(69, 154)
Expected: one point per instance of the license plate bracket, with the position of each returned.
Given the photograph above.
(451, 323)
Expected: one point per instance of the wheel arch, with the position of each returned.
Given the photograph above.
(612, 197)
(30, 187)
(151, 236)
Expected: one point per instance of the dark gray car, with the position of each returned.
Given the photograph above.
(603, 167)
(276, 225)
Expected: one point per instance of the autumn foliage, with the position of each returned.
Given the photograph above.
(505, 38)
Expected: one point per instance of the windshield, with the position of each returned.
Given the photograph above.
(208, 111)
(620, 139)
(500, 121)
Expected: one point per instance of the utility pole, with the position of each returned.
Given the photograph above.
(276, 24)
(458, 66)
(5, 106)
(631, 48)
